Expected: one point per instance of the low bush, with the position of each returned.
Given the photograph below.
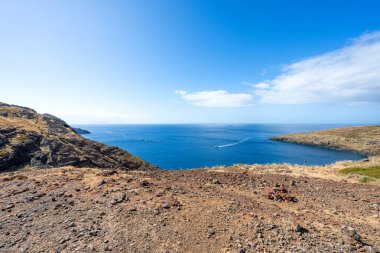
(371, 172)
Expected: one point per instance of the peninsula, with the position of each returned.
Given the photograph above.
(364, 140)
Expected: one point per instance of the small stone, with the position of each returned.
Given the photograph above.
(211, 231)
(215, 181)
(101, 182)
(93, 233)
(64, 240)
(60, 194)
(8, 207)
(119, 200)
(57, 206)
(165, 205)
(144, 183)
(71, 224)
(301, 230)
(159, 194)
(351, 232)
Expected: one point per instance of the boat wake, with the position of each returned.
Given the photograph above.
(150, 140)
(231, 144)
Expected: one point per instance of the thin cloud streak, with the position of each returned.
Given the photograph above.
(216, 98)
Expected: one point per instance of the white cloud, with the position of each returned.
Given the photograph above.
(347, 75)
(261, 85)
(216, 98)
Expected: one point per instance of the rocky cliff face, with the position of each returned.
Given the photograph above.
(43, 140)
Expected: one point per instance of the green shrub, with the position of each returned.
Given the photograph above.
(372, 171)
(365, 179)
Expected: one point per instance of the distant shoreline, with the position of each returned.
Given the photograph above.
(362, 140)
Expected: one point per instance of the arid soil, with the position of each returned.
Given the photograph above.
(233, 209)
(364, 140)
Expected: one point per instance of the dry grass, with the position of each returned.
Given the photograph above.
(328, 172)
(31, 125)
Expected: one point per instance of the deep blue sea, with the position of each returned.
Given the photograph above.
(195, 146)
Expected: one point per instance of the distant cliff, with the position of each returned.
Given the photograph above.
(43, 140)
(363, 140)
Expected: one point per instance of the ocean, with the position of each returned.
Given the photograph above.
(204, 145)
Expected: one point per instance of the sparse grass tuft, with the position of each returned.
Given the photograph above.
(365, 179)
(3, 153)
(371, 172)
(22, 138)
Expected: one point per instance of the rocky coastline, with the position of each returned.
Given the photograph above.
(60, 192)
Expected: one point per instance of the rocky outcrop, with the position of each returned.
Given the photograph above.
(81, 131)
(29, 138)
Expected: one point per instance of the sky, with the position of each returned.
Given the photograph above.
(180, 61)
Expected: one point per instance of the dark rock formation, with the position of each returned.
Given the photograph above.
(81, 131)
(29, 138)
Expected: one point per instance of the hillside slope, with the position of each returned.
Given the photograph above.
(43, 140)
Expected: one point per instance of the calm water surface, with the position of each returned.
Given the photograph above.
(194, 146)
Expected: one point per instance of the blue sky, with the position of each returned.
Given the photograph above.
(179, 61)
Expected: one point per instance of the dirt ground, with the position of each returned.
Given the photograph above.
(235, 209)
